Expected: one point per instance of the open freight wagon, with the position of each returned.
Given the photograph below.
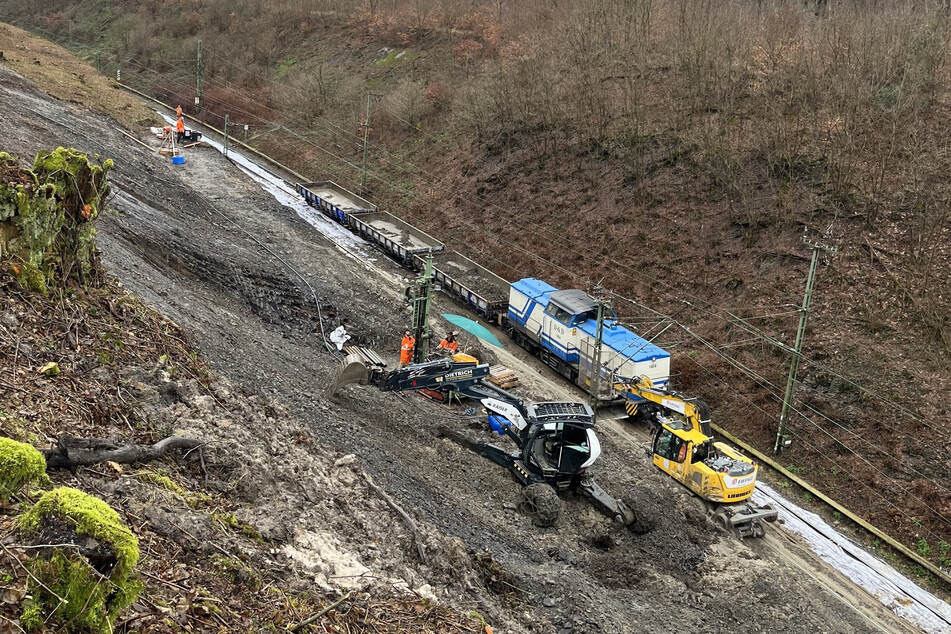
(399, 239)
(334, 201)
(478, 288)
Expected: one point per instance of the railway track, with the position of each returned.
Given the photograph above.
(917, 607)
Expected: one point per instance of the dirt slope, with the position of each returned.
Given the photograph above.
(172, 247)
(687, 145)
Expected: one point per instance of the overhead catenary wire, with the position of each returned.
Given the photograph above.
(385, 181)
(733, 318)
(853, 383)
(802, 415)
(535, 256)
(799, 438)
(305, 281)
(486, 203)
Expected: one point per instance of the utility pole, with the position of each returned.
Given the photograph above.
(817, 246)
(603, 307)
(366, 141)
(420, 295)
(226, 134)
(199, 71)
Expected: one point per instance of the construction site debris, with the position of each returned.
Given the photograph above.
(503, 377)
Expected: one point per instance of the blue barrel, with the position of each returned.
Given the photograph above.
(178, 160)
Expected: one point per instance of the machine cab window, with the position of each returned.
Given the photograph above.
(669, 446)
(564, 449)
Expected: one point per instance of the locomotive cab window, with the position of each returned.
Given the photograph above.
(580, 318)
(558, 313)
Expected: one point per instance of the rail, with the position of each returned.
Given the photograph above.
(904, 550)
(894, 543)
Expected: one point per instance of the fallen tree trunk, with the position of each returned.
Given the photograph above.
(77, 452)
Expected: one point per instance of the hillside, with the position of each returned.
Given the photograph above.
(677, 150)
(292, 504)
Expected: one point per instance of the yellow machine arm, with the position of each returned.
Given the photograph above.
(694, 411)
(682, 446)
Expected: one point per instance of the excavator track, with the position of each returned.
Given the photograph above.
(745, 520)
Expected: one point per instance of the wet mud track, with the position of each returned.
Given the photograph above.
(255, 324)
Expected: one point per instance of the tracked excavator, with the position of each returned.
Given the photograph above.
(555, 441)
(682, 446)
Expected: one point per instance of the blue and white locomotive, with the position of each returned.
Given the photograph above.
(560, 327)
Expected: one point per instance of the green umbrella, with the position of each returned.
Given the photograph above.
(473, 328)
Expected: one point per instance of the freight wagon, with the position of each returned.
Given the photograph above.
(334, 201)
(558, 326)
(465, 281)
(470, 284)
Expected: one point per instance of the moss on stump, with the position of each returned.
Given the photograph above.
(47, 230)
(94, 578)
(20, 464)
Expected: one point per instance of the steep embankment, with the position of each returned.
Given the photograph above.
(677, 150)
(258, 525)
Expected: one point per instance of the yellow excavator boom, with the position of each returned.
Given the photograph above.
(682, 446)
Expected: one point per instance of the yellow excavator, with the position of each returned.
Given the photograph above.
(682, 446)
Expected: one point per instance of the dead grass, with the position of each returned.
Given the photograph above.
(65, 77)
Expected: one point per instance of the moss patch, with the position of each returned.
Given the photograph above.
(194, 500)
(20, 464)
(230, 521)
(48, 215)
(93, 595)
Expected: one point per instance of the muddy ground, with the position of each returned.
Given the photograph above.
(175, 243)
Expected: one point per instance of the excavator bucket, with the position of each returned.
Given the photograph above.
(358, 366)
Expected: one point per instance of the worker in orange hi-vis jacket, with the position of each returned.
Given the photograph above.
(406, 348)
(178, 112)
(449, 343)
(180, 128)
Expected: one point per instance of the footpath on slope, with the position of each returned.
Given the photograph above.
(254, 324)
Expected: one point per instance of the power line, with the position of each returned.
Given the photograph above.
(833, 438)
(509, 246)
(550, 264)
(743, 326)
(821, 453)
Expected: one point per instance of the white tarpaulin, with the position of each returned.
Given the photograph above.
(896, 592)
(287, 196)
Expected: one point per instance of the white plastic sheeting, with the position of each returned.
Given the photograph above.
(896, 592)
(288, 196)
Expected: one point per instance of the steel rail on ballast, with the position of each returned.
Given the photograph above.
(904, 550)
